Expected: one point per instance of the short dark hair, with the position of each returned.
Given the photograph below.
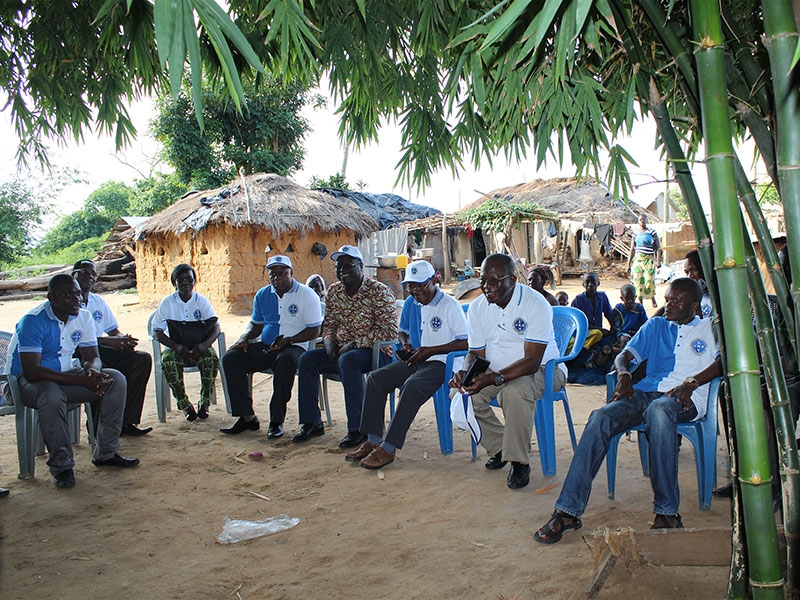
(80, 264)
(59, 280)
(627, 288)
(591, 274)
(688, 285)
(181, 268)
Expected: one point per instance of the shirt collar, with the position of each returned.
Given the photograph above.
(48, 309)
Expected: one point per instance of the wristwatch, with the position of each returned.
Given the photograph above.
(692, 382)
(499, 380)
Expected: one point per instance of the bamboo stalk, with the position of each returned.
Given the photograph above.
(751, 438)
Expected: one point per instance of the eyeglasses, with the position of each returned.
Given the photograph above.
(492, 282)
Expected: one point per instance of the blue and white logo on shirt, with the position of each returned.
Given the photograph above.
(97, 316)
(197, 314)
(699, 346)
(706, 310)
(436, 323)
(520, 325)
(76, 336)
(293, 309)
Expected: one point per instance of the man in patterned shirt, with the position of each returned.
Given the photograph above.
(359, 312)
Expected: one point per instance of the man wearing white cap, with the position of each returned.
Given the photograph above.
(420, 371)
(286, 315)
(359, 312)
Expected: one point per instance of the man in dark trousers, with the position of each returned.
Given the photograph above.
(117, 351)
(286, 315)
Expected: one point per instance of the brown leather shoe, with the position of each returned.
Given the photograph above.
(377, 458)
(362, 451)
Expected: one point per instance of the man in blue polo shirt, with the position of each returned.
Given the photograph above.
(45, 340)
(286, 315)
(441, 328)
(682, 357)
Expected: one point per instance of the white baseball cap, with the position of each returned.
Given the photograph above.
(348, 251)
(419, 271)
(280, 260)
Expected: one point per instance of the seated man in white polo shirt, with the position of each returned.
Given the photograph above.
(286, 315)
(420, 371)
(511, 326)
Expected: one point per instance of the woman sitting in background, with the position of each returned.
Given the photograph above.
(538, 277)
(191, 323)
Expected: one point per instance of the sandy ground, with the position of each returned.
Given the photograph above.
(434, 527)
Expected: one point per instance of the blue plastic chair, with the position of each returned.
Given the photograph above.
(568, 323)
(702, 433)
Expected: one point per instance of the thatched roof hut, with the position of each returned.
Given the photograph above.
(576, 200)
(224, 232)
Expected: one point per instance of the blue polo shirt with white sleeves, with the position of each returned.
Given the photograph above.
(297, 310)
(673, 353)
(40, 331)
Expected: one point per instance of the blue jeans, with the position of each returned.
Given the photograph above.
(350, 367)
(661, 415)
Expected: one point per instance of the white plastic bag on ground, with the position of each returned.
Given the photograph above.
(237, 530)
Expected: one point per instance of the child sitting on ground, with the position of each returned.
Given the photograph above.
(628, 316)
(595, 305)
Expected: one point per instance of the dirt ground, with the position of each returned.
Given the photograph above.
(433, 527)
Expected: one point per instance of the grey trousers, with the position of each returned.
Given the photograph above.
(518, 399)
(419, 383)
(52, 401)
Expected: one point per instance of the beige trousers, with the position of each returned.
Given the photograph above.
(518, 399)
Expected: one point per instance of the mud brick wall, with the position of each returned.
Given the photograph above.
(230, 261)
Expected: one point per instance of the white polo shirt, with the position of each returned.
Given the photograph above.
(502, 332)
(299, 309)
(104, 320)
(443, 321)
(198, 308)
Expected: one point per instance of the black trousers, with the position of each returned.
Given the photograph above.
(136, 366)
(237, 364)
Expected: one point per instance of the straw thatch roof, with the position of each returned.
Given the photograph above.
(265, 200)
(573, 199)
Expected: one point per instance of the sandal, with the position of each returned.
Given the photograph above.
(667, 522)
(555, 528)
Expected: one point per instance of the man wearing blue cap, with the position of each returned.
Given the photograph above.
(286, 315)
(359, 311)
(420, 370)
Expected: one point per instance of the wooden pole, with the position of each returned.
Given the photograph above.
(445, 251)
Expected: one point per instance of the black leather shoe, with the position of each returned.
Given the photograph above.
(241, 425)
(353, 439)
(134, 430)
(496, 462)
(117, 460)
(724, 491)
(307, 431)
(190, 413)
(275, 430)
(202, 412)
(518, 476)
(4, 492)
(64, 480)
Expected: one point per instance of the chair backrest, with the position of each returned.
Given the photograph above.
(5, 341)
(569, 322)
(5, 404)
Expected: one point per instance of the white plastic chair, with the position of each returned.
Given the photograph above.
(29, 436)
(163, 395)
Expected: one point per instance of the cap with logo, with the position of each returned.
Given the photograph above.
(351, 251)
(280, 260)
(419, 271)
